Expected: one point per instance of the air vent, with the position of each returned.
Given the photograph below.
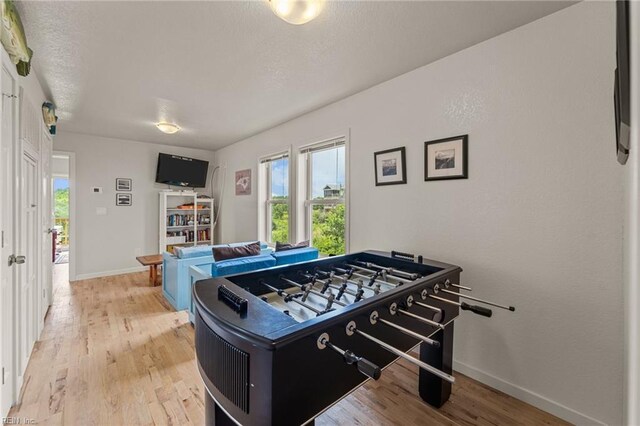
(225, 365)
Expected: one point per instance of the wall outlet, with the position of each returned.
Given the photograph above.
(96, 189)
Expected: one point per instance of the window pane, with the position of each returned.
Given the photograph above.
(327, 226)
(279, 223)
(280, 178)
(327, 180)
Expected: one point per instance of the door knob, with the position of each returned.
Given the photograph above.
(19, 260)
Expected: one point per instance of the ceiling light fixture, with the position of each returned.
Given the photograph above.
(297, 12)
(168, 128)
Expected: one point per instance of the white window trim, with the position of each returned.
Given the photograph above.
(264, 196)
(305, 175)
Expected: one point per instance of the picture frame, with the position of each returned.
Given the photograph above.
(243, 182)
(447, 158)
(124, 200)
(390, 166)
(124, 184)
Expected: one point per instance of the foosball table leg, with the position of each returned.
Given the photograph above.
(434, 390)
(215, 415)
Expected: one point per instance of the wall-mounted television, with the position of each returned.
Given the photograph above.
(181, 171)
(622, 82)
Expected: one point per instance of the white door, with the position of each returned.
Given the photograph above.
(26, 314)
(47, 224)
(7, 247)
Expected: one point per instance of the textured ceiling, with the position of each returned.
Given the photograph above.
(227, 70)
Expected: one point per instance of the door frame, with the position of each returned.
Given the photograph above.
(72, 209)
(10, 365)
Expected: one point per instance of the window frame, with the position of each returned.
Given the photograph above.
(266, 202)
(305, 153)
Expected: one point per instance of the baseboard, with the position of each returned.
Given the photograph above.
(527, 396)
(92, 275)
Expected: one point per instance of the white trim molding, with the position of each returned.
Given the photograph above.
(102, 274)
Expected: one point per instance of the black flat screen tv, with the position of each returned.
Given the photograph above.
(181, 171)
(622, 82)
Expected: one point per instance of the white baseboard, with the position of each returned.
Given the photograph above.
(91, 275)
(527, 396)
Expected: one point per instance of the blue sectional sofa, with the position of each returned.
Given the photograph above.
(228, 267)
(176, 281)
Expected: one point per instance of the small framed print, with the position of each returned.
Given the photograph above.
(390, 166)
(124, 184)
(446, 158)
(123, 199)
(243, 182)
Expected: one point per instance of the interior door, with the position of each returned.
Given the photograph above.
(27, 272)
(7, 247)
(46, 204)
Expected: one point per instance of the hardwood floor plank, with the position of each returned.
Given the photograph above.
(113, 352)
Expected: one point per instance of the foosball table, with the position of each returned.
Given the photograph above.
(282, 345)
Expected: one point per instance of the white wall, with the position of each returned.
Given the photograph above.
(109, 244)
(537, 224)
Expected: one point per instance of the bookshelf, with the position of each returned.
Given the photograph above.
(185, 220)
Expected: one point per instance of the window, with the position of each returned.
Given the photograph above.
(274, 194)
(324, 205)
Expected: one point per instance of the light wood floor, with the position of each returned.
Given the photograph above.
(113, 353)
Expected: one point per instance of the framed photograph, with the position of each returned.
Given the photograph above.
(446, 158)
(124, 184)
(390, 166)
(243, 182)
(123, 199)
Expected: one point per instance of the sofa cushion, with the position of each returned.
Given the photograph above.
(242, 264)
(295, 255)
(200, 251)
(228, 252)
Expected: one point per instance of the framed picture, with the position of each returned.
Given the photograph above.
(124, 184)
(123, 199)
(390, 166)
(243, 182)
(446, 158)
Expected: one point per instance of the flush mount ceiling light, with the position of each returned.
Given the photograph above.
(297, 12)
(168, 128)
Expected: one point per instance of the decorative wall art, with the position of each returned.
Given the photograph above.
(124, 184)
(124, 199)
(243, 182)
(390, 166)
(446, 158)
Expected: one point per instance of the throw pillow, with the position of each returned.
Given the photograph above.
(225, 253)
(286, 246)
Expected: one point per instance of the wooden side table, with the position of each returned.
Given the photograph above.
(152, 261)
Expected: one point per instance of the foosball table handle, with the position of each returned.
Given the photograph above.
(480, 310)
(363, 365)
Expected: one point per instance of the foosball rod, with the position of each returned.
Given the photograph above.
(394, 308)
(312, 291)
(448, 283)
(486, 302)
(480, 310)
(371, 271)
(392, 271)
(344, 279)
(375, 317)
(329, 285)
(344, 271)
(363, 365)
(351, 328)
(286, 296)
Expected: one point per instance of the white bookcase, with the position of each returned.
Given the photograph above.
(185, 220)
